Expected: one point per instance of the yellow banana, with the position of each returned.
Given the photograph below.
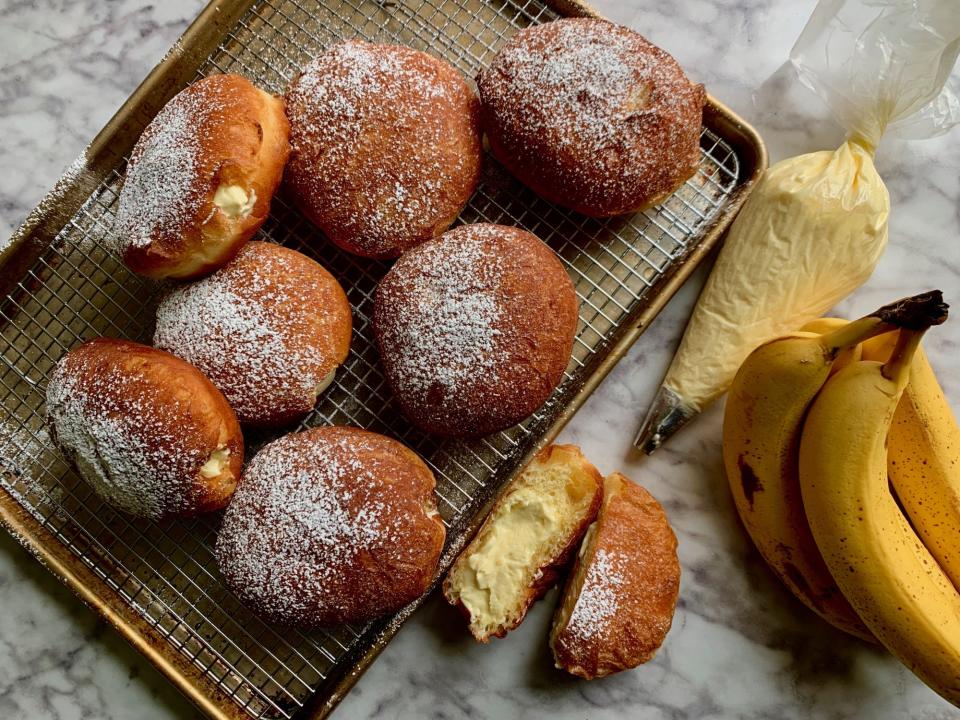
(883, 569)
(761, 435)
(923, 458)
(823, 325)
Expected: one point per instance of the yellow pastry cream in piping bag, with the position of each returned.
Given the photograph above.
(815, 225)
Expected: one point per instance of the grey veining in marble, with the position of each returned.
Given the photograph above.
(741, 647)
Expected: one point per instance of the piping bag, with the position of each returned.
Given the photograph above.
(815, 226)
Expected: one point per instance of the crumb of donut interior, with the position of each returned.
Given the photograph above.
(160, 191)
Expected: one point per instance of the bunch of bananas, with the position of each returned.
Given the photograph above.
(843, 458)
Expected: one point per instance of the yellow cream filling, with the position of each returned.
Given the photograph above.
(326, 381)
(234, 201)
(501, 567)
(215, 463)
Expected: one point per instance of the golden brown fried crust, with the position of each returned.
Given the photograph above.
(266, 328)
(243, 139)
(619, 601)
(386, 146)
(475, 329)
(331, 525)
(124, 401)
(591, 116)
(550, 571)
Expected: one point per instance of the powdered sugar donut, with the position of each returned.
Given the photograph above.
(269, 329)
(592, 116)
(331, 525)
(146, 430)
(475, 328)
(201, 178)
(386, 146)
(621, 594)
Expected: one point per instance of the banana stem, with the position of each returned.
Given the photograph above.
(917, 312)
(897, 368)
(856, 332)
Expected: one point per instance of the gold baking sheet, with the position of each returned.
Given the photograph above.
(59, 285)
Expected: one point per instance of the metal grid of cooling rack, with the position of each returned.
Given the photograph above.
(77, 290)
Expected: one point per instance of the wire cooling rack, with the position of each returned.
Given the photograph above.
(77, 290)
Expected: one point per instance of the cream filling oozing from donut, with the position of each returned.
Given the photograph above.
(326, 381)
(215, 463)
(234, 202)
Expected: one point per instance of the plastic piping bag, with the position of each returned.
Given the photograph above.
(815, 226)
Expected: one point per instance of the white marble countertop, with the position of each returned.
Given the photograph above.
(740, 645)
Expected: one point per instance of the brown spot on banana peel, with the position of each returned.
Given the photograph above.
(800, 585)
(748, 480)
(821, 601)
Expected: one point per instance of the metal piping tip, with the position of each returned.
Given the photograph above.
(667, 414)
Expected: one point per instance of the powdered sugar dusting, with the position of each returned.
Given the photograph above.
(598, 600)
(22, 443)
(24, 454)
(599, 76)
(451, 336)
(161, 195)
(475, 328)
(365, 64)
(601, 111)
(119, 434)
(248, 328)
(385, 145)
(308, 506)
(75, 169)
